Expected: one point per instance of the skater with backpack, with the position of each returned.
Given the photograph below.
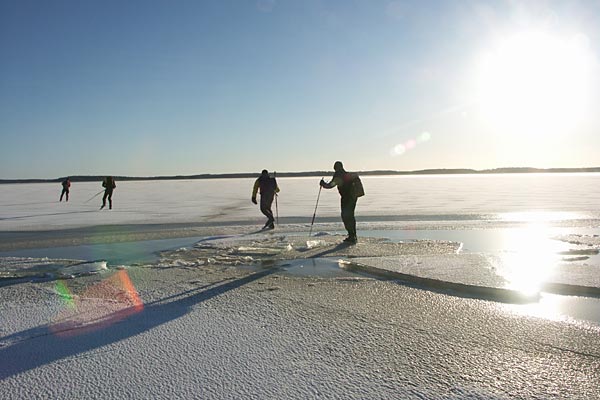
(109, 185)
(350, 188)
(66, 185)
(268, 190)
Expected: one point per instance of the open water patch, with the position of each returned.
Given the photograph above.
(122, 253)
(73, 261)
(19, 268)
(573, 309)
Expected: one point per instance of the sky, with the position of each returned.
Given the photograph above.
(148, 88)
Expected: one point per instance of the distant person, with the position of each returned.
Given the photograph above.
(109, 185)
(66, 185)
(350, 188)
(268, 188)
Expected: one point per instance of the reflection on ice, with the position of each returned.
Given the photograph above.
(561, 308)
(539, 216)
(529, 259)
(318, 267)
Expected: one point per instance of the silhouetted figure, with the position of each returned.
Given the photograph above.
(350, 188)
(268, 188)
(66, 184)
(109, 185)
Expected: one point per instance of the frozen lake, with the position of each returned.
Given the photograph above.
(526, 229)
(181, 264)
(431, 198)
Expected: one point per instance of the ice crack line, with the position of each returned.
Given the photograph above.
(579, 353)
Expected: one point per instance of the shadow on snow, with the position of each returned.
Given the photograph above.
(45, 344)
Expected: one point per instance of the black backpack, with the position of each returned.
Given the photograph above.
(357, 187)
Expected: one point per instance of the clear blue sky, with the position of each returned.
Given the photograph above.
(187, 87)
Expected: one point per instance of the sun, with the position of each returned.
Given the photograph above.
(534, 84)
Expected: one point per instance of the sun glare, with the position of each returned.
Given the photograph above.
(530, 258)
(534, 83)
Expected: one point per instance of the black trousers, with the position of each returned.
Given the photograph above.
(107, 194)
(64, 191)
(266, 200)
(348, 204)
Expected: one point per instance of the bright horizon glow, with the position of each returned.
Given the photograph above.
(535, 84)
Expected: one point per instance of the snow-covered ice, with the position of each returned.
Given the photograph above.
(391, 198)
(175, 294)
(222, 332)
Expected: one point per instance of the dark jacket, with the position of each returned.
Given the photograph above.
(267, 185)
(109, 183)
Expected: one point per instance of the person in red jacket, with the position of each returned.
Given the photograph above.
(66, 184)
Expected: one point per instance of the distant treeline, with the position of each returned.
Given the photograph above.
(96, 178)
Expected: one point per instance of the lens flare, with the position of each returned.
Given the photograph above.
(399, 149)
(99, 306)
(410, 144)
(64, 292)
(424, 137)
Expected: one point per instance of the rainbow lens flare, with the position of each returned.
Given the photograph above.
(98, 306)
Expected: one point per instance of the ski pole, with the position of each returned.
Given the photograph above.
(276, 210)
(94, 196)
(315, 213)
(276, 206)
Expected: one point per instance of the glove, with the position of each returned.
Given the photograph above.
(254, 200)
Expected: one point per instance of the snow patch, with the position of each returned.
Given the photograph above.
(311, 244)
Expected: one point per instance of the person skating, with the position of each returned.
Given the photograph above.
(66, 184)
(109, 185)
(268, 189)
(350, 189)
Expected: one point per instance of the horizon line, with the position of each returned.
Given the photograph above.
(429, 171)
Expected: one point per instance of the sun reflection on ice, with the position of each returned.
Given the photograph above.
(530, 258)
(539, 217)
(548, 307)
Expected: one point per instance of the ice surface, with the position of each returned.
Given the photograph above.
(246, 314)
(432, 264)
(225, 333)
(404, 198)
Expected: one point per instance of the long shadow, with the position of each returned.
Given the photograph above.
(45, 344)
(257, 232)
(47, 215)
(456, 289)
(324, 253)
(28, 204)
(18, 280)
(225, 210)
